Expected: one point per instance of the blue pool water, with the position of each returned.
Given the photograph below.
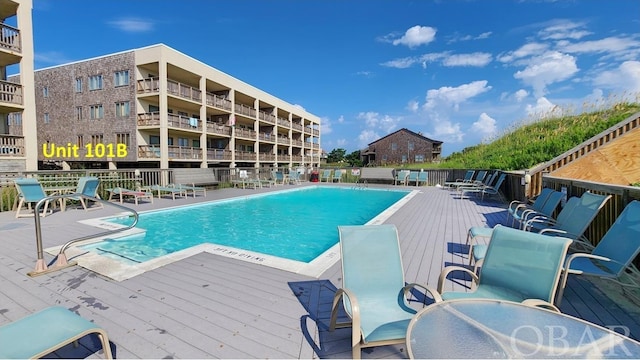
(298, 225)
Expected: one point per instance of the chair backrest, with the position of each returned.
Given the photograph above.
(524, 262)
(468, 175)
(413, 175)
(294, 175)
(551, 203)
(30, 189)
(541, 199)
(583, 214)
(371, 261)
(326, 174)
(489, 180)
(88, 185)
(423, 176)
(402, 175)
(499, 182)
(482, 174)
(621, 243)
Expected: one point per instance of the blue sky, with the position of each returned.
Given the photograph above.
(458, 71)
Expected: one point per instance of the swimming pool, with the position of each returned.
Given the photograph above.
(296, 225)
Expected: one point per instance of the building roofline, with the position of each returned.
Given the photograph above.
(410, 132)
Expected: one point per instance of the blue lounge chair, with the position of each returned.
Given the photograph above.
(518, 266)
(401, 177)
(294, 177)
(191, 188)
(277, 177)
(373, 293)
(337, 175)
(326, 175)
(517, 207)
(483, 190)
(87, 186)
(468, 178)
(412, 178)
(547, 209)
(122, 193)
(169, 190)
(613, 255)
(423, 177)
(30, 192)
(48, 330)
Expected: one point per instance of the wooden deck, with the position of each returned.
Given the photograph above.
(210, 306)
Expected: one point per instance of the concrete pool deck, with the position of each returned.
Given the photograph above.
(211, 306)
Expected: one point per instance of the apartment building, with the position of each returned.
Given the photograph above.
(155, 107)
(18, 143)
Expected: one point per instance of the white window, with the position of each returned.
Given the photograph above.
(121, 78)
(80, 141)
(122, 109)
(95, 82)
(410, 146)
(78, 112)
(14, 119)
(45, 91)
(46, 118)
(97, 112)
(78, 85)
(183, 142)
(394, 146)
(419, 158)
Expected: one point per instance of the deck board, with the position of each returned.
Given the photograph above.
(210, 306)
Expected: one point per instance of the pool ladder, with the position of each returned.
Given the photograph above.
(360, 185)
(61, 261)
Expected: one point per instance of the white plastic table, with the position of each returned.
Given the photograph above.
(482, 329)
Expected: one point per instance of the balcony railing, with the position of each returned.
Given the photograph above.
(11, 145)
(284, 140)
(245, 133)
(265, 116)
(296, 158)
(284, 122)
(296, 126)
(151, 85)
(284, 158)
(10, 93)
(218, 101)
(218, 154)
(243, 109)
(148, 152)
(174, 121)
(266, 137)
(184, 153)
(10, 38)
(218, 129)
(296, 142)
(245, 155)
(184, 91)
(267, 156)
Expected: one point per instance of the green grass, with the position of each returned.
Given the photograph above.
(529, 144)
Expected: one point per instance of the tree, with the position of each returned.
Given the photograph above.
(336, 155)
(354, 159)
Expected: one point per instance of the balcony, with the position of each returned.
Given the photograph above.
(11, 146)
(246, 156)
(263, 156)
(245, 133)
(175, 152)
(245, 110)
(151, 85)
(174, 121)
(284, 122)
(10, 93)
(283, 140)
(296, 142)
(218, 155)
(218, 129)
(184, 91)
(284, 158)
(296, 127)
(266, 137)
(10, 38)
(266, 117)
(218, 101)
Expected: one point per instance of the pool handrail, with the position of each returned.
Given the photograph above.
(61, 258)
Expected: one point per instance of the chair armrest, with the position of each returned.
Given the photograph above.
(540, 303)
(570, 258)
(355, 314)
(434, 294)
(449, 269)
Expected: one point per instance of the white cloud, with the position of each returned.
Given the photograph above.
(455, 95)
(625, 77)
(542, 108)
(341, 119)
(531, 49)
(416, 36)
(485, 125)
(400, 63)
(477, 59)
(132, 25)
(413, 106)
(563, 30)
(549, 68)
(325, 125)
(447, 132)
(366, 137)
(521, 95)
(610, 44)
